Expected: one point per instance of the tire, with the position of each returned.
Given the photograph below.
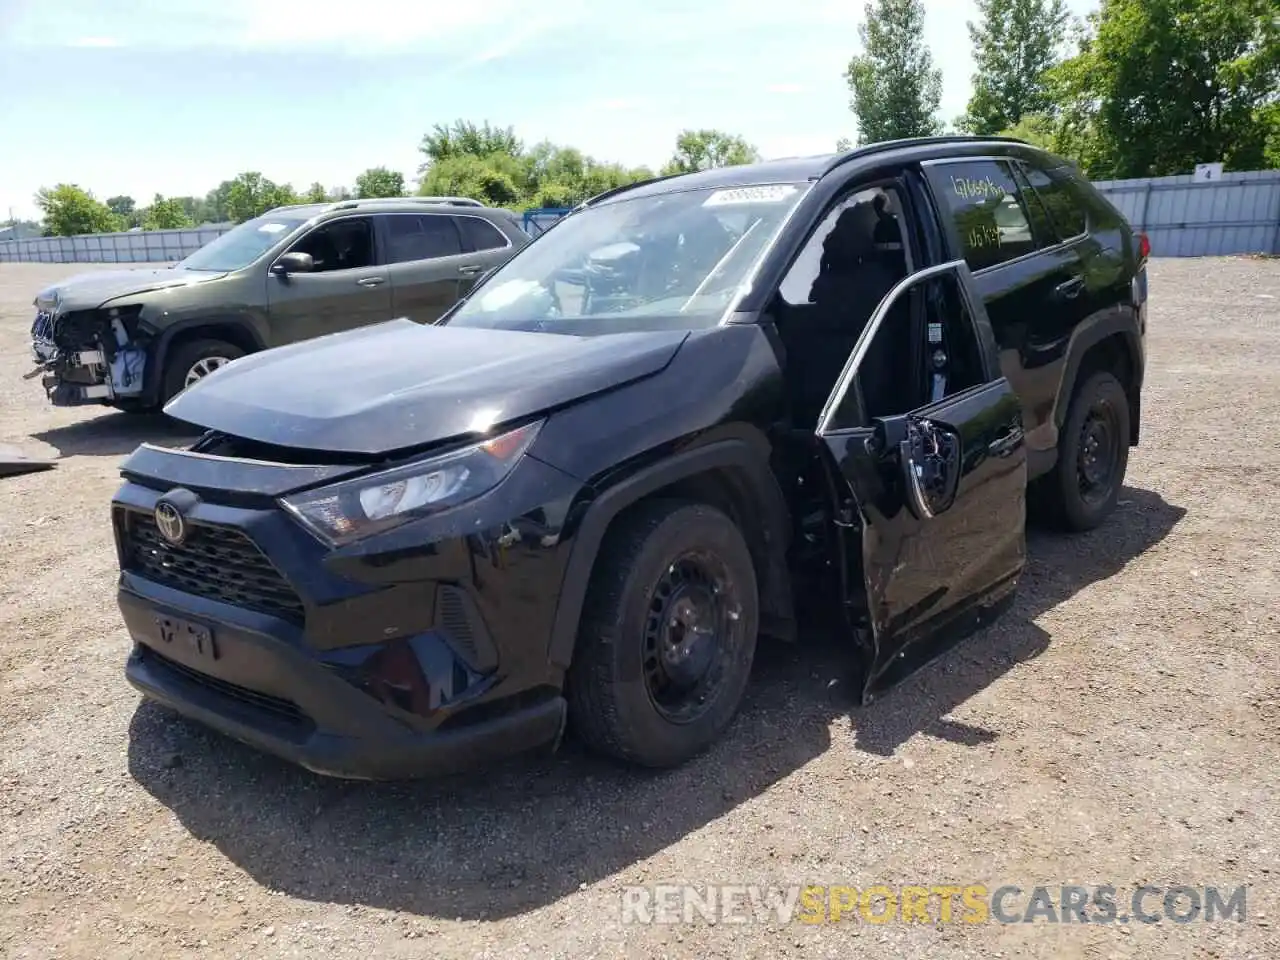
(1077, 496)
(617, 702)
(186, 356)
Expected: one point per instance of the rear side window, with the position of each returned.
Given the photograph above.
(413, 236)
(478, 234)
(984, 203)
(1061, 198)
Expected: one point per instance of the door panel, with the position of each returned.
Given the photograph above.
(936, 497)
(1030, 282)
(425, 261)
(336, 297)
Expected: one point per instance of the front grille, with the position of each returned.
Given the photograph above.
(219, 563)
(283, 711)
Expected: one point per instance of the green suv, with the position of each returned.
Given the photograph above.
(133, 339)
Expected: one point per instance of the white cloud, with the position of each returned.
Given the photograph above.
(784, 88)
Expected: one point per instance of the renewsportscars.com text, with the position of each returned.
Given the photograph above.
(973, 903)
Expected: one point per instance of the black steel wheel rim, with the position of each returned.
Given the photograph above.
(692, 632)
(1098, 454)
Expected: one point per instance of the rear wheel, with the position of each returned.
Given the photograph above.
(1093, 454)
(667, 637)
(191, 362)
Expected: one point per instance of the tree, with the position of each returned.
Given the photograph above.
(705, 149)
(316, 193)
(896, 88)
(125, 208)
(1014, 44)
(465, 138)
(216, 203)
(1036, 129)
(379, 182)
(487, 179)
(69, 211)
(165, 215)
(1161, 85)
(251, 195)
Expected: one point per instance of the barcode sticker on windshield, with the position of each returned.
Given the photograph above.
(774, 193)
(271, 228)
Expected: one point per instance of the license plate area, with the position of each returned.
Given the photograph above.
(188, 641)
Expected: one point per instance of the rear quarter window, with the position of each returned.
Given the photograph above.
(479, 234)
(1063, 197)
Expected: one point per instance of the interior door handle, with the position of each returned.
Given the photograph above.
(1070, 289)
(470, 270)
(369, 281)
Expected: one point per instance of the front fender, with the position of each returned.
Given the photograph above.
(737, 454)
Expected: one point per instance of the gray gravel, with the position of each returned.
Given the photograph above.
(1120, 725)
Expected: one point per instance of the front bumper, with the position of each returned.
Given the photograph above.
(410, 663)
(272, 696)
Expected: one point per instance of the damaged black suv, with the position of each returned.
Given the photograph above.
(692, 410)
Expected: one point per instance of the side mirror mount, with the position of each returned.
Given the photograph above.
(288, 263)
(887, 435)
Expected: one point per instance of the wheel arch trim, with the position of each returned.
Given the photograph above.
(734, 453)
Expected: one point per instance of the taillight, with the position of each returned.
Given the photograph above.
(1144, 247)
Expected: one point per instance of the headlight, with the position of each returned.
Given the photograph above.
(354, 509)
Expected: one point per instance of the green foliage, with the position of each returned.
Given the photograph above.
(1161, 85)
(706, 149)
(493, 165)
(1015, 43)
(251, 195)
(1037, 129)
(70, 211)
(463, 138)
(165, 215)
(126, 209)
(316, 193)
(896, 88)
(379, 182)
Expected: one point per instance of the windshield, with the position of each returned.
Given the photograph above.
(673, 260)
(242, 245)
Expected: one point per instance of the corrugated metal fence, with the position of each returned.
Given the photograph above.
(1238, 214)
(144, 246)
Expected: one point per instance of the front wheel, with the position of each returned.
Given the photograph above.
(667, 636)
(1093, 454)
(191, 362)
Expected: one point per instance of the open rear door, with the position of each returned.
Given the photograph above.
(936, 508)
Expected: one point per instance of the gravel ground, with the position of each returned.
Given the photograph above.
(1119, 726)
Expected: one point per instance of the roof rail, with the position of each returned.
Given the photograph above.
(447, 201)
(885, 146)
(614, 191)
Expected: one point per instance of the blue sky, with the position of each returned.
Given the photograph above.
(172, 96)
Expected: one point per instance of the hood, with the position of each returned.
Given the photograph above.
(87, 291)
(400, 384)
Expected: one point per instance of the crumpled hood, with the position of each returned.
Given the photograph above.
(399, 384)
(87, 291)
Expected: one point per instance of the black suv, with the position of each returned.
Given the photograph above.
(692, 410)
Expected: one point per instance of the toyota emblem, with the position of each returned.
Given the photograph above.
(170, 522)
